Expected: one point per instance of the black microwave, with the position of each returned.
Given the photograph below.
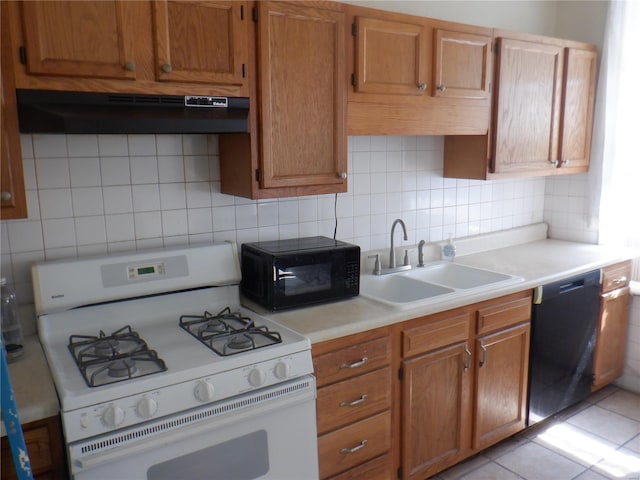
(297, 272)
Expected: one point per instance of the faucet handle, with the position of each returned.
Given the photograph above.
(377, 268)
(406, 257)
(421, 253)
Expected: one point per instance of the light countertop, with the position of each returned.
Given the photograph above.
(32, 384)
(538, 262)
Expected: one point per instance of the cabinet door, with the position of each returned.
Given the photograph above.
(302, 96)
(611, 339)
(436, 410)
(14, 203)
(390, 57)
(461, 64)
(501, 385)
(527, 112)
(577, 114)
(204, 42)
(79, 39)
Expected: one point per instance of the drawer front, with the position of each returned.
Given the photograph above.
(434, 335)
(353, 399)
(350, 446)
(351, 361)
(616, 276)
(502, 315)
(379, 468)
(37, 442)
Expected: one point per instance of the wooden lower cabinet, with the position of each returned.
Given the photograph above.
(463, 382)
(501, 385)
(436, 410)
(43, 439)
(410, 400)
(354, 406)
(611, 336)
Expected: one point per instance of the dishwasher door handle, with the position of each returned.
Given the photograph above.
(570, 287)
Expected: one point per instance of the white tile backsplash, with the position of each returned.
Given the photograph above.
(108, 193)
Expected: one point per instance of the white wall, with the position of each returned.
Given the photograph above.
(532, 16)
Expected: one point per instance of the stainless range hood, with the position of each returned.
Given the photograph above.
(46, 111)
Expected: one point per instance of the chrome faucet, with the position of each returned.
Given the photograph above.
(392, 253)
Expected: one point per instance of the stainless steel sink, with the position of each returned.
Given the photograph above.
(421, 286)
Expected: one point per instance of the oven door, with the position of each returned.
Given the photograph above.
(269, 434)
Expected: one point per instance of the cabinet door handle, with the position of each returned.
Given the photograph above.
(5, 196)
(357, 364)
(422, 86)
(167, 68)
(483, 360)
(354, 449)
(467, 358)
(130, 66)
(353, 403)
(441, 88)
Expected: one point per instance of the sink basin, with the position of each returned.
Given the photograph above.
(421, 286)
(456, 276)
(399, 289)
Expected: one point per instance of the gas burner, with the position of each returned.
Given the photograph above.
(105, 359)
(124, 367)
(241, 341)
(107, 347)
(227, 332)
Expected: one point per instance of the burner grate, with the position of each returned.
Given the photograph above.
(106, 359)
(228, 333)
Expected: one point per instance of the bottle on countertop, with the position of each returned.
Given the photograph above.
(449, 250)
(11, 328)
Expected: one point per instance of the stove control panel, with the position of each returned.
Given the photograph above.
(138, 408)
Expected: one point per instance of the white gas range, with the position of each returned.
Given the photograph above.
(160, 371)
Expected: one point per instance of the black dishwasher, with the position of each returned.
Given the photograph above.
(563, 335)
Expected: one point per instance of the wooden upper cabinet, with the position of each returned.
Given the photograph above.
(579, 93)
(79, 39)
(527, 110)
(462, 64)
(200, 41)
(302, 95)
(12, 196)
(164, 47)
(390, 57)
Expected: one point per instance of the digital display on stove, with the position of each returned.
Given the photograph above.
(148, 270)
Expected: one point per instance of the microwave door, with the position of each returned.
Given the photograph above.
(304, 280)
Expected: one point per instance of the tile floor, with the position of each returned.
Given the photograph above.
(598, 439)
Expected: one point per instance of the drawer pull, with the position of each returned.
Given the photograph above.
(354, 449)
(620, 280)
(357, 364)
(354, 402)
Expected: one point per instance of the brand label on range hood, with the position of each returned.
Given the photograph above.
(203, 101)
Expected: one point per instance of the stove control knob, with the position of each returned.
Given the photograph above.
(257, 377)
(147, 407)
(282, 370)
(204, 391)
(113, 416)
